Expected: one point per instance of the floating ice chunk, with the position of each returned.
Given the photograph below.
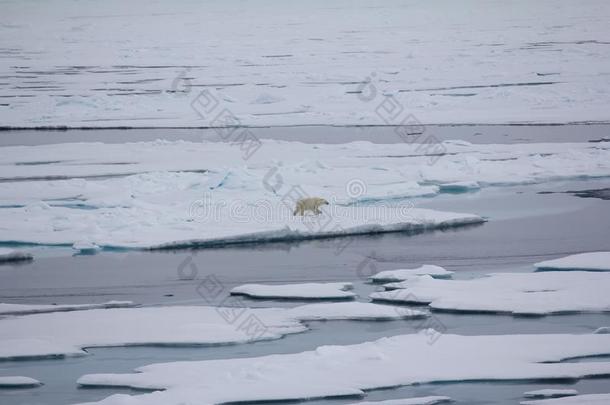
(296, 291)
(67, 333)
(588, 399)
(404, 274)
(550, 393)
(603, 330)
(86, 247)
(11, 255)
(517, 293)
(24, 309)
(593, 261)
(18, 382)
(431, 400)
(349, 370)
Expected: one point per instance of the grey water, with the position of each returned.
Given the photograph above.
(527, 224)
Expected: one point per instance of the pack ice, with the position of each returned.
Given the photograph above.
(387, 362)
(517, 293)
(172, 194)
(277, 75)
(60, 334)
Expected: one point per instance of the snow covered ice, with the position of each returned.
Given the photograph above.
(543, 293)
(198, 194)
(405, 274)
(297, 291)
(18, 382)
(67, 333)
(380, 364)
(593, 261)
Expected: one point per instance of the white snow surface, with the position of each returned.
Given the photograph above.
(431, 400)
(516, 293)
(587, 399)
(184, 193)
(67, 333)
(18, 381)
(592, 261)
(100, 64)
(550, 393)
(27, 309)
(12, 255)
(387, 362)
(298, 291)
(405, 274)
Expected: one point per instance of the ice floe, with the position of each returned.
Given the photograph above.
(586, 399)
(517, 293)
(18, 382)
(405, 274)
(431, 400)
(550, 393)
(27, 309)
(592, 261)
(12, 255)
(67, 333)
(171, 194)
(296, 291)
(387, 362)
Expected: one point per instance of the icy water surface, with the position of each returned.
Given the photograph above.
(526, 224)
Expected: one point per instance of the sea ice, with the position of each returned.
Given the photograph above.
(587, 399)
(404, 274)
(67, 333)
(296, 291)
(175, 194)
(517, 293)
(432, 400)
(349, 370)
(12, 255)
(26, 309)
(276, 75)
(593, 261)
(18, 382)
(550, 393)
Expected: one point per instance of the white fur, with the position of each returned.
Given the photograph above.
(312, 204)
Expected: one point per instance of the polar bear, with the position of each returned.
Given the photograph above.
(312, 204)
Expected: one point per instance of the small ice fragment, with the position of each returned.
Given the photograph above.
(18, 382)
(11, 255)
(404, 274)
(550, 393)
